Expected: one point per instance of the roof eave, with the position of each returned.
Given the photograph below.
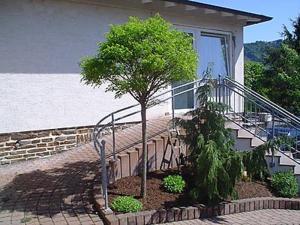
(262, 18)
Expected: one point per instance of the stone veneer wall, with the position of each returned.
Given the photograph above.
(20, 146)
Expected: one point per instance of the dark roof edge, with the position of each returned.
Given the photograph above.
(263, 18)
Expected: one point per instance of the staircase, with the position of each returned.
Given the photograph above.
(259, 120)
(252, 118)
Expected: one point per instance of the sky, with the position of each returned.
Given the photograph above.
(281, 11)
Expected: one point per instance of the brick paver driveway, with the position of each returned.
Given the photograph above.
(50, 191)
(260, 217)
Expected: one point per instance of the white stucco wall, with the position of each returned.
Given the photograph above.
(41, 43)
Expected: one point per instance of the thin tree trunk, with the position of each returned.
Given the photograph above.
(144, 155)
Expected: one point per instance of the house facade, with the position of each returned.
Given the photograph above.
(42, 42)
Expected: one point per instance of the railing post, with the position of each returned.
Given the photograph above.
(104, 174)
(273, 136)
(219, 86)
(173, 109)
(113, 136)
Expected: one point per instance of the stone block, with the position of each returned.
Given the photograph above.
(170, 215)
(162, 216)
(177, 216)
(295, 205)
(131, 219)
(288, 204)
(122, 219)
(69, 131)
(232, 208)
(124, 161)
(191, 212)
(155, 217)
(133, 162)
(159, 149)
(140, 218)
(252, 205)
(282, 204)
(221, 209)
(4, 138)
(270, 204)
(151, 163)
(183, 212)
(197, 213)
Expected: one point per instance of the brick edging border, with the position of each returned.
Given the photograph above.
(190, 212)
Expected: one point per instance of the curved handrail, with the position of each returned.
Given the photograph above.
(99, 127)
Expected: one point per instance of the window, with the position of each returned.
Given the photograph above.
(213, 53)
(185, 100)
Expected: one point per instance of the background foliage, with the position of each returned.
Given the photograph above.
(278, 78)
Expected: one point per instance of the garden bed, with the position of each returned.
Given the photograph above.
(158, 198)
(161, 206)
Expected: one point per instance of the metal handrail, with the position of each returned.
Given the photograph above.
(109, 120)
(278, 113)
(99, 143)
(274, 106)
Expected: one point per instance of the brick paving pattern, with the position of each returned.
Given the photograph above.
(57, 190)
(260, 217)
(51, 191)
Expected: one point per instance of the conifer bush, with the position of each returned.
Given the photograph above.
(215, 165)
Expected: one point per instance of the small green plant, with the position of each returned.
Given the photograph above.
(126, 204)
(174, 183)
(285, 184)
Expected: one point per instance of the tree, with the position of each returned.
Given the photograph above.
(141, 57)
(292, 39)
(254, 74)
(282, 78)
(215, 165)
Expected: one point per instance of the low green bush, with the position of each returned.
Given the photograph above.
(285, 184)
(126, 204)
(174, 183)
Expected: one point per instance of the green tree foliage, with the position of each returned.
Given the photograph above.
(139, 58)
(254, 74)
(282, 78)
(292, 39)
(215, 165)
(257, 51)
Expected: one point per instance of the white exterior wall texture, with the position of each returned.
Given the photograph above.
(41, 44)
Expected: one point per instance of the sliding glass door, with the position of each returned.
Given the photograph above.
(213, 56)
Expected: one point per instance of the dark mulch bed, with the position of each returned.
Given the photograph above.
(253, 189)
(158, 198)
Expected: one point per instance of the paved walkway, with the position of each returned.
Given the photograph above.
(57, 191)
(260, 217)
(52, 191)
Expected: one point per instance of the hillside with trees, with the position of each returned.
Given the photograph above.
(257, 51)
(277, 74)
